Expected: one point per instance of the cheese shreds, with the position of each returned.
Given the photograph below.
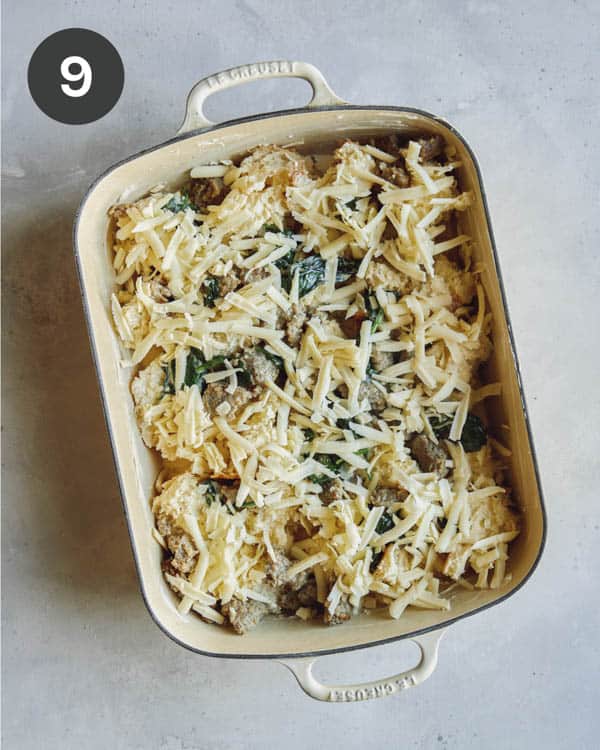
(278, 298)
(286, 398)
(460, 416)
(306, 564)
(398, 531)
(209, 170)
(399, 604)
(364, 349)
(347, 291)
(335, 247)
(120, 321)
(283, 416)
(243, 304)
(208, 613)
(159, 538)
(442, 247)
(379, 154)
(369, 527)
(490, 541)
(368, 432)
(233, 436)
(213, 377)
(306, 354)
(323, 383)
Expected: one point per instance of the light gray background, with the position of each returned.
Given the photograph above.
(84, 666)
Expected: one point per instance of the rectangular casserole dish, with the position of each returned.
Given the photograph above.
(319, 126)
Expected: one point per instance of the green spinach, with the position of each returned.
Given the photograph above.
(197, 366)
(385, 523)
(169, 379)
(321, 479)
(245, 504)
(473, 436)
(374, 311)
(286, 260)
(285, 264)
(276, 230)
(377, 320)
(179, 203)
(346, 269)
(212, 492)
(331, 462)
(311, 272)
(211, 287)
(375, 560)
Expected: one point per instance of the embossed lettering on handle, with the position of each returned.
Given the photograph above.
(428, 645)
(194, 116)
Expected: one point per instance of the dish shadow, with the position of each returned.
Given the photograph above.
(65, 516)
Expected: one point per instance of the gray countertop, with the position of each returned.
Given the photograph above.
(84, 666)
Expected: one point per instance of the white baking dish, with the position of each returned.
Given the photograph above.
(324, 122)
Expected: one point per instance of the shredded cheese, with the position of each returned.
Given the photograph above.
(289, 342)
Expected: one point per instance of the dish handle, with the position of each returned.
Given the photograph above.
(428, 644)
(194, 115)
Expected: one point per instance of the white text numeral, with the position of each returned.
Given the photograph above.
(84, 74)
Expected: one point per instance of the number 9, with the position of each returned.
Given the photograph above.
(84, 74)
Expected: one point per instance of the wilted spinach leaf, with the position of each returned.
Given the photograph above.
(211, 290)
(441, 425)
(331, 462)
(346, 269)
(243, 377)
(179, 203)
(311, 272)
(196, 367)
(276, 230)
(473, 436)
(375, 560)
(286, 260)
(374, 312)
(212, 492)
(377, 320)
(321, 479)
(285, 264)
(245, 504)
(169, 379)
(385, 523)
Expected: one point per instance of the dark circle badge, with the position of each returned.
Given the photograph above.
(75, 76)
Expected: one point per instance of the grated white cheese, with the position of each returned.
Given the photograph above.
(289, 461)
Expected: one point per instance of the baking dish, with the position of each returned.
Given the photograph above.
(320, 125)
